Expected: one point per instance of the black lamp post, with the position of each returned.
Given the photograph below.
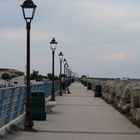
(67, 67)
(67, 74)
(28, 9)
(65, 63)
(60, 58)
(53, 45)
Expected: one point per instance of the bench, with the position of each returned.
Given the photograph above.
(49, 106)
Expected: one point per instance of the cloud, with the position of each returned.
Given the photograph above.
(117, 58)
(133, 25)
(11, 34)
(110, 14)
(20, 33)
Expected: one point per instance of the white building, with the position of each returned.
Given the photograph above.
(17, 81)
(14, 82)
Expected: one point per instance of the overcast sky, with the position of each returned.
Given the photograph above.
(100, 38)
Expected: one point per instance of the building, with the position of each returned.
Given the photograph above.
(16, 78)
(11, 72)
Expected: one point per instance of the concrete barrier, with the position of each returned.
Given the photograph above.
(124, 94)
(15, 122)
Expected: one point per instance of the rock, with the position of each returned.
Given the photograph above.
(137, 114)
(135, 98)
(126, 108)
(124, 94)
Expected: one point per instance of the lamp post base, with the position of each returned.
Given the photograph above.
(60, 93)
(52, 98)
(30, 129)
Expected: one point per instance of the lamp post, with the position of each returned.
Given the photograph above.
(65, 63)
(53, 45)
(28, 9)
(60, 58)
(67, 74)
(67, 68)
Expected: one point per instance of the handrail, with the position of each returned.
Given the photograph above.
(12, 100)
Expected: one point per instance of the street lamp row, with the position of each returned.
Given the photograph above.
(28, 9)
(60, 76)
(67, 71)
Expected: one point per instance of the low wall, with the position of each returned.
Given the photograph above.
(124, 94)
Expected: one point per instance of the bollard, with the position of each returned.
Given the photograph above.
(98, 91)
(89, 86)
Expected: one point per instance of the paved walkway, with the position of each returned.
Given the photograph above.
(81, 116)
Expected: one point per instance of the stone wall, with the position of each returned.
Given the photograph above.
(124, 94)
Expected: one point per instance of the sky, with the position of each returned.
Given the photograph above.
(99, 38)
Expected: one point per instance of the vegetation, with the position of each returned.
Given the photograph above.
(50, 77)
(6, 76)
(36, 76)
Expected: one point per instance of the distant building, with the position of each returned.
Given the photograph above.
(17, 81)
(3, 83)
(11, 72)
(13, 82)
(16, 78)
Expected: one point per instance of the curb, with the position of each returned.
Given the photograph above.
(15, 122)
(7, 127)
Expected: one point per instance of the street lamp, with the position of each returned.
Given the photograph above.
(66, 71)
(60, 58)
(53, 45)
(65, 63)
(67, 68)
(28, 9)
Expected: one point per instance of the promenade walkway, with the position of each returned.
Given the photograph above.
(81, 116)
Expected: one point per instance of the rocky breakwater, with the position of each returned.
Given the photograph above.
(123, 94)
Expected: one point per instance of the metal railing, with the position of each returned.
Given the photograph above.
(12, 100)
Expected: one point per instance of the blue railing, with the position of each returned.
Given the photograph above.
(12, 100)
